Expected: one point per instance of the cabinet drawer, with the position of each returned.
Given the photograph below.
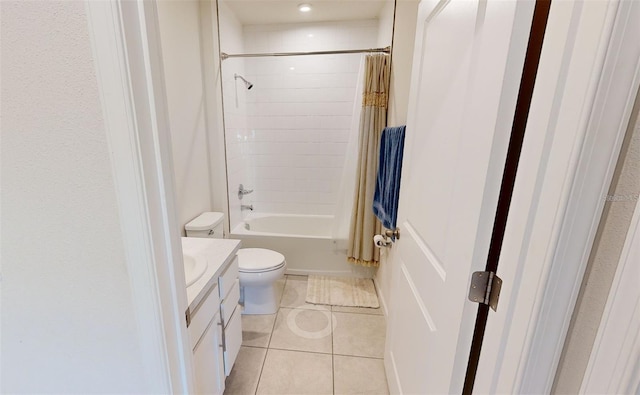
(233, 341)
(228, 278)
(202, 315)
(230, 302)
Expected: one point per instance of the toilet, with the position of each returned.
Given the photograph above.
(259, 268)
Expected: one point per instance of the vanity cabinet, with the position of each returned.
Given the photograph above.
(229, 286)
(205, 332)
(215, 329)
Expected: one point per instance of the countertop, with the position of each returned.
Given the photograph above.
(218, 253)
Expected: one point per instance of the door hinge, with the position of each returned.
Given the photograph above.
(485, 288)
(187, 316)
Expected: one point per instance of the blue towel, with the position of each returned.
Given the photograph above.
(385, 199)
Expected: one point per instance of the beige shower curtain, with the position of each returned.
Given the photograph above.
(364, 224)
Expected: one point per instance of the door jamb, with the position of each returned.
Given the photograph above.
(549, 252)
(611, 367)
(126, 49)
(510, 171)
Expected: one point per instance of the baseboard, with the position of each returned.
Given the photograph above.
(381, 298)
(393, 381)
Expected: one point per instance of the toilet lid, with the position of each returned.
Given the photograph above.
(259, 259)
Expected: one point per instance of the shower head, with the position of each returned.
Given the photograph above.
(248, 84)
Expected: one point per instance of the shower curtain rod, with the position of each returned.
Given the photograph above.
(343, 51)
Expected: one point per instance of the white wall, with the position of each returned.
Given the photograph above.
(235, 110)
(402, 59)
(300, 112)
(181, 52)
(385, 24)
(212, 78)
(67, 314)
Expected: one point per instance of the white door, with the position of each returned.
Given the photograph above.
(466, 71)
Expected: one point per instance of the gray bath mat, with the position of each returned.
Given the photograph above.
(339, 291)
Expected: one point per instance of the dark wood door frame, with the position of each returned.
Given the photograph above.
(521, 115)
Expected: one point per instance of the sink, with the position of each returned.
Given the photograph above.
(194, 268)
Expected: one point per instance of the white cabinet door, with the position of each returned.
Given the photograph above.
(208, 360)
(233, 340)
(466, 70)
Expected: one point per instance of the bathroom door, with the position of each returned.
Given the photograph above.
(466, 73)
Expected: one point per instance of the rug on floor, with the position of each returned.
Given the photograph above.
(341, 291)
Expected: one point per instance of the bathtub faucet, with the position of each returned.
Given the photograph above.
(246, 207)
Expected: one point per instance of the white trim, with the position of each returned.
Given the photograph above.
(604, 124)
(582, 102)
(381, 297)
(616, 351)
(125, 44)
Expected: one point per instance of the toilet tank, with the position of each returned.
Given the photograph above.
(207, 224)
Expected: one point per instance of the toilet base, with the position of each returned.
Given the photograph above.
(259, 299)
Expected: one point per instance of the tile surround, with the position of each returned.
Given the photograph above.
(299, 115)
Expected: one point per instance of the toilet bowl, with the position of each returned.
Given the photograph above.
(259, 270)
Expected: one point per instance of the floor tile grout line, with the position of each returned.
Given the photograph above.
(267, 349)
(333, 363)
(263, 348)
(359, 356)
(264, 361)
(283, 287)
(273, 328)
(301, 351)
(318, 352)
(305, 351)
(270, 336)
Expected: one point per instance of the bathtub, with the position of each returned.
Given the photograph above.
(304, 240)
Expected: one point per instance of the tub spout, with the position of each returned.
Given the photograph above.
(246, 207)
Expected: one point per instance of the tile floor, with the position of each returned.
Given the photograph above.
(310, 349)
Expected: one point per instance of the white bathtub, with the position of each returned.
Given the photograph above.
(304, 240)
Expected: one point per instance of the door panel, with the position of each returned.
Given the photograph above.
(412, 342)
(440, 117)
(461, 108)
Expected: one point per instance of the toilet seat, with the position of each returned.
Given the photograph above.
(259, 260)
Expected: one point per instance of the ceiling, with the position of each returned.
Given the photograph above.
(259, 12)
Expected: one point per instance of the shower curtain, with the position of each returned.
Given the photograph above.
(364, 224)
(344, 205)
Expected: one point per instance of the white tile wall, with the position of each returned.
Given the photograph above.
(291, 130)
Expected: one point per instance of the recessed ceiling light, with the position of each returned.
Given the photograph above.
(304, 7)
(292, 68)
(310, 35)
